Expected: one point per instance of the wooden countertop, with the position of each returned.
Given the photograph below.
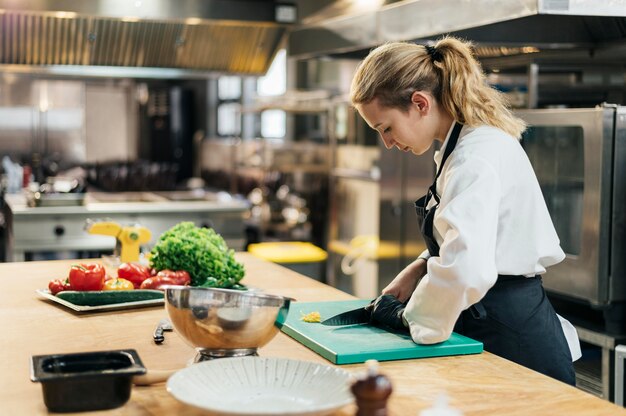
(482, 384)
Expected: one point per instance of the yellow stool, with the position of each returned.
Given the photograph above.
(304, 258)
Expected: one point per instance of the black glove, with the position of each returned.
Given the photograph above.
(387, 311)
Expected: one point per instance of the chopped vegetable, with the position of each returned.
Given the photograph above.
(312, 317)
(118, 284)
(201, 252)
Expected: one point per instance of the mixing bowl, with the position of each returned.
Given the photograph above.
(223, 322)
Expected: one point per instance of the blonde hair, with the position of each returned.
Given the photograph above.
(393, 71)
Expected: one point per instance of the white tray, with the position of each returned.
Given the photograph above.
(113, 306)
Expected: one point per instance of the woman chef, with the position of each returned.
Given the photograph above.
(484, 220)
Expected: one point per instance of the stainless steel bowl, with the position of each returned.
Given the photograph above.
(223, 322)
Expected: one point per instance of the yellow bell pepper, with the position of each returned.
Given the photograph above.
(118, 284)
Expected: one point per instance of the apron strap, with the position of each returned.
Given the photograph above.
(454, 137)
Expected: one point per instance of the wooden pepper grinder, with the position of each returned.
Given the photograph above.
(372, 391)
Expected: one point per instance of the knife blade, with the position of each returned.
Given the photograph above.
(163, 325)
(356, 316)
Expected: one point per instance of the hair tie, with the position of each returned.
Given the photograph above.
(435, 54)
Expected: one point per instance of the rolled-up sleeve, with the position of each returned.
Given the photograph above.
(467, 221)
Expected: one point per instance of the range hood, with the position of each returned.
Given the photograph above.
(492, 24)
(219, 36)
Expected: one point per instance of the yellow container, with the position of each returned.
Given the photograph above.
(304, 258)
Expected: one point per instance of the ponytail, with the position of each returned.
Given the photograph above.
(393, 71)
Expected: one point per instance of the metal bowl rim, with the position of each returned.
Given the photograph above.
(230, 291)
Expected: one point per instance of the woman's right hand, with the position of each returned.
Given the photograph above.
(403, 285)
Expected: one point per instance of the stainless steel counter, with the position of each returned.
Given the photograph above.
(61, 228)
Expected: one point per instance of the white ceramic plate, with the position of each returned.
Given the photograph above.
(247, 386)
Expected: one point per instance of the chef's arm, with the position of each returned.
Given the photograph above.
(424, 256)
(403, 285)
(465, 269)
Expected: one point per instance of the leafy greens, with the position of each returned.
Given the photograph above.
(202, 252)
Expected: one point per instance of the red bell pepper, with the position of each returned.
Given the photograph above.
(87, 276)
(157, 282)
(180, 277)
(134, 272)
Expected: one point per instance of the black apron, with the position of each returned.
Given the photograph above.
(515, 319)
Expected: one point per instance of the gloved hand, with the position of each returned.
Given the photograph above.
(387, 311)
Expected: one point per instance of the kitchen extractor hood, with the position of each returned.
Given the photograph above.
(515, 26)
(206, 36)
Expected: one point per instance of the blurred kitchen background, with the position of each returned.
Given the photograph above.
(234, 114)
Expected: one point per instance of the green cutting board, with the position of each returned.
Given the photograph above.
(358, 343)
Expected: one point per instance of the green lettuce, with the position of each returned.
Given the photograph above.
(202, 252)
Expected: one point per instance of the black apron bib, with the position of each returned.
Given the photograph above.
(515, 319)
(425, 216)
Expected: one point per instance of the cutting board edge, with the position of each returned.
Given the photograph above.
(311, 344)
(404, 355)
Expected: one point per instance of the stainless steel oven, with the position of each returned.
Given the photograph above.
(579, 158)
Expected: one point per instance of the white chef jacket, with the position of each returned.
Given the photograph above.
(492, 219)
